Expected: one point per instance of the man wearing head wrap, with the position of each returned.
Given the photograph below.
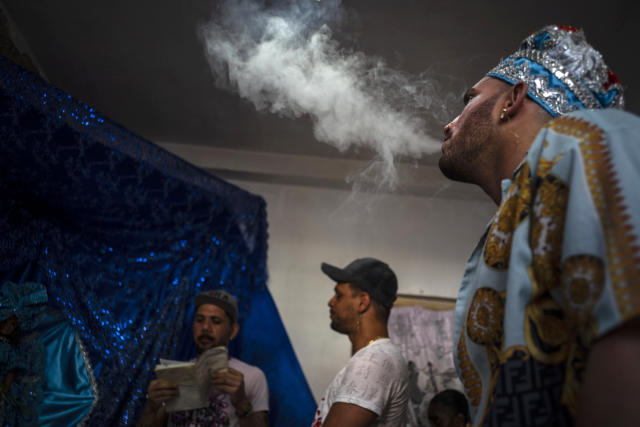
(547, 314)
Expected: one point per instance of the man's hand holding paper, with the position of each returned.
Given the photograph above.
(160, 391)
(231, 382)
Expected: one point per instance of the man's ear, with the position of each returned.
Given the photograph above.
(364, 302)
(234, 331)
(515, 99)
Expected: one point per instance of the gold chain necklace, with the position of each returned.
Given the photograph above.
(375, 339)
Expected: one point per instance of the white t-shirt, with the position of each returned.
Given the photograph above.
(220, 411)
(375, 378)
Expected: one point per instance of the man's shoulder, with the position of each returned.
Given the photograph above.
(383, 352)
(605, 119)
(256, 386)
(244, 367)
(380, 364)
(569, 132)
(385, 346)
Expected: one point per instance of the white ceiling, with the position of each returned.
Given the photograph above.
(142, 63)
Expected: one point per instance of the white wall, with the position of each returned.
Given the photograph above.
(313, 218)
(425, 241)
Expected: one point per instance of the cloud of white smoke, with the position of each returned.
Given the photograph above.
(285, 61)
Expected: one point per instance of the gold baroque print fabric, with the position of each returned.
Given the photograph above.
(604, 181)
(547, 228)
(512, 212)
(582, 285)
(560, 265)
(468, 373)
(485, 317)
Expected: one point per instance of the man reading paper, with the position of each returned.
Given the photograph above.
(239, 395)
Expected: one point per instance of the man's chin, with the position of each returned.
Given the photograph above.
(446, 167)
(452, 170)
(337, 328)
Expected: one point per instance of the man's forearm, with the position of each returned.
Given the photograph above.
(348, 414)
(247, 417)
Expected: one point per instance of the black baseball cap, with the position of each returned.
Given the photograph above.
(220, 298)
(370, 275)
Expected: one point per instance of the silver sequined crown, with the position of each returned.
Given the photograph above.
(563, 72)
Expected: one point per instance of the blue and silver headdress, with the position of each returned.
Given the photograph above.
(564, 73)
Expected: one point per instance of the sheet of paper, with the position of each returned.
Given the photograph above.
(192, 378)
(184, 375)
(177, 373)
(213, 360)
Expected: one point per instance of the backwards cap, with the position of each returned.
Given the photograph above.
(370, 275)
(220, 298)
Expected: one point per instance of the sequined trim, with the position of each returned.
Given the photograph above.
(566, 56)
(92, 379)
(562, 104)
(623, 253)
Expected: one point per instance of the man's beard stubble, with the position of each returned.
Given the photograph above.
(346, 325)
(462, 159)
(336, 326)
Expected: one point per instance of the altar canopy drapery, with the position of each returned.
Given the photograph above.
(123, 235)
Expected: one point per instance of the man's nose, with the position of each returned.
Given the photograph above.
(330, 303)
(448, 129)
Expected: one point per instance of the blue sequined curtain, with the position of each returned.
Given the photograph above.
(123, 234)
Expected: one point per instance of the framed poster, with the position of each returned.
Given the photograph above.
(426, 302)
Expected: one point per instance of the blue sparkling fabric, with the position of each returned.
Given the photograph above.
(23, 300)
(19, 406)
(123, 235)
(24, 358)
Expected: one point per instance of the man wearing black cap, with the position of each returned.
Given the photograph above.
(241, 396)
(371, 390)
